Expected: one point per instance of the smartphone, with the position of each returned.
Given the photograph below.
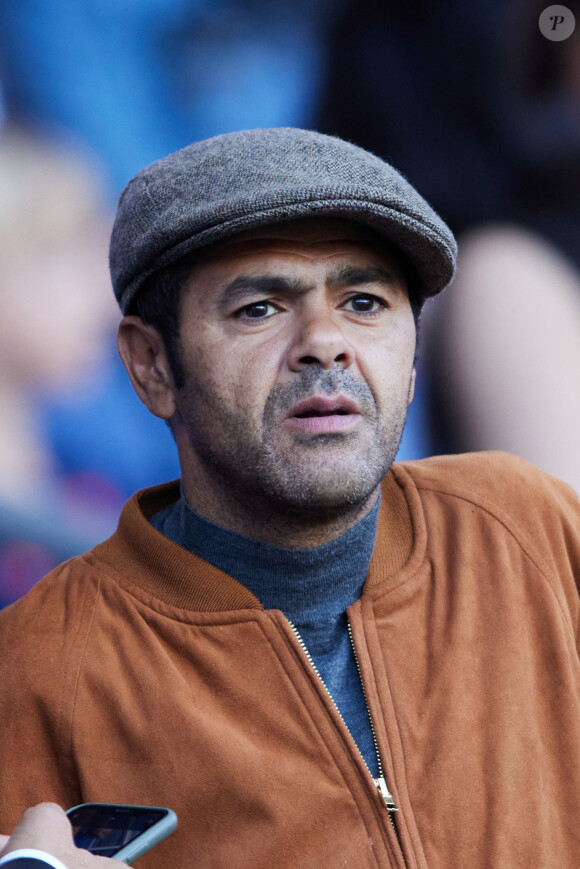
(120, 831)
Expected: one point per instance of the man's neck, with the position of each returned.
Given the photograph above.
(260, 520)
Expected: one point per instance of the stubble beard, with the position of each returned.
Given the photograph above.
(302, 477)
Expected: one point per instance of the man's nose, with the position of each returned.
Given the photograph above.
(319, 340)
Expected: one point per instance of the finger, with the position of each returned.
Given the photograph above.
(46, 823)
(47, 828)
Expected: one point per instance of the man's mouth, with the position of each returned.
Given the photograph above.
(319, 413)
(323, 414)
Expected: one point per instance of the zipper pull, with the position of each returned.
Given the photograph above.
(385, 794)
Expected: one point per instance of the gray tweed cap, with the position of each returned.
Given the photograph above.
(235, 182)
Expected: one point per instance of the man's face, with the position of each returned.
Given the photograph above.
(298, 355)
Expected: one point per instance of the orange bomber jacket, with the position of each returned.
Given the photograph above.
(139, 673)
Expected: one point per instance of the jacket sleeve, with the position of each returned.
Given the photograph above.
(31, 859)
(540, 510)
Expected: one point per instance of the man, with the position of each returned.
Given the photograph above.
(315, 657)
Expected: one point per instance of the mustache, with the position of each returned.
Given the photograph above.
(316, 380)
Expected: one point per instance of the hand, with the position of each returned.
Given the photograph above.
(47, 828)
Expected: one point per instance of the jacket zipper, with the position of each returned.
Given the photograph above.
(380, 783)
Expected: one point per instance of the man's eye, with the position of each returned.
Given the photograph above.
(364, 304)
(258, 310)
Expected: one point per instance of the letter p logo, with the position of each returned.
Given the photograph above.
(557, 23)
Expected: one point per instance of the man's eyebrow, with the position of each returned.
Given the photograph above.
(245, 286)
(358, 275)
(264, 285)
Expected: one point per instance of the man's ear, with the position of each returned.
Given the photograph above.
(143, 354)
(412, 387)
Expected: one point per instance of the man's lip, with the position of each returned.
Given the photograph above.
(324, 405)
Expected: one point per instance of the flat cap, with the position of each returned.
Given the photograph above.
(240, 181)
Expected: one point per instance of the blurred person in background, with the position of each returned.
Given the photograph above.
(507, 345)
(482, 113)
(57, 320)
(133, 81)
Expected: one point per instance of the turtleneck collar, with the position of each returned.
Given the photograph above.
(308, 585)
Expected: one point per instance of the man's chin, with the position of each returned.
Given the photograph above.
(325, 477)
(323, 499)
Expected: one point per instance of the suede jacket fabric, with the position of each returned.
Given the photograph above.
(138, 673)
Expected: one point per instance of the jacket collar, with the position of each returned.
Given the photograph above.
(149, 560)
